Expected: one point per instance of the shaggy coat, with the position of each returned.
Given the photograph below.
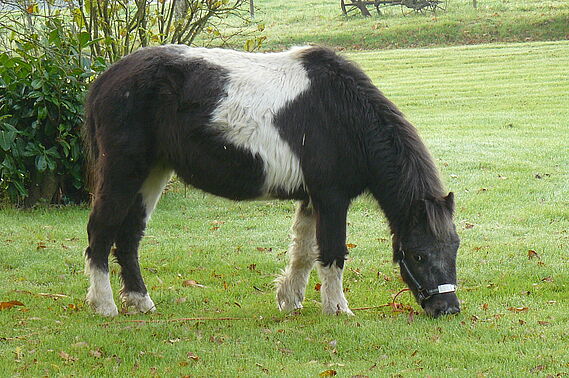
(305, 124)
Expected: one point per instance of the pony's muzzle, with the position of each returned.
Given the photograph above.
(442, 304)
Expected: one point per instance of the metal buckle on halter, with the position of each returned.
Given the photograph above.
(422, 293)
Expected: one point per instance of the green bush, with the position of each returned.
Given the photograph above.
(43, 81)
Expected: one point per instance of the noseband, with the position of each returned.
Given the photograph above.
(423, 293)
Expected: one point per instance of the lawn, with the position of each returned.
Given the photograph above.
(496, 119)
(322, 22)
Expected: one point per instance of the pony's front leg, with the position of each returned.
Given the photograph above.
(303, 251)
(331, 237)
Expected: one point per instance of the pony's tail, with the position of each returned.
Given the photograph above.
(91, 150)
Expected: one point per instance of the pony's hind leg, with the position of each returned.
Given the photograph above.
(133, 292)
(303, 251)
(118, 180)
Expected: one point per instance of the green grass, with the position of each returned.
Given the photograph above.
(322, 22)
(496, 119)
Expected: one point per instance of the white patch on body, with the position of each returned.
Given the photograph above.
(303, 251)
(100, 294)
(332, 292)
(152, 188)
(259, 86)
(141, 302)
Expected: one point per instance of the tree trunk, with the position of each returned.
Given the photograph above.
(44, 187)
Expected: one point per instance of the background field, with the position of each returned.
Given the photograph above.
(313, 21)
(496, 119)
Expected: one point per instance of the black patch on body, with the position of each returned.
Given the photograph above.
(168, 112)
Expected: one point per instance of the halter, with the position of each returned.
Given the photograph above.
(422, 293)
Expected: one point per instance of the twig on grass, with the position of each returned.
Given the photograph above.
(170, 320)
(391, 304)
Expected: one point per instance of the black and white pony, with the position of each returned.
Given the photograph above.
(305, 124)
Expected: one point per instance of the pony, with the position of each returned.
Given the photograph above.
(304, 124)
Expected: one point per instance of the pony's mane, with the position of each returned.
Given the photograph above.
(399, 155)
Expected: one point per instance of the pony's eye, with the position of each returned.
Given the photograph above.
(418, 258)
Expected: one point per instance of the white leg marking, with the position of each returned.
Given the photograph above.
(141, 302)
(100, 294)
(303, 251)
(152, 188)
(332, 292)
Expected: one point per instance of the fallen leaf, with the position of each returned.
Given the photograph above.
(10, 304)
(350, 245)
(547, 279)
(542, 322)
(193, 356)
(518, 309)
(96, 353)
(193, 283)
(533, 254)
(252, 267)
(263, 249)
(318, 286)
(485, 306)
(67, 357)
(285, 350)
(538, 368)
(468, 225)
(411, 317)
(328, 373)
(522, 322)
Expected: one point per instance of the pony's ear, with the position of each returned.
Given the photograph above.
(449, 201)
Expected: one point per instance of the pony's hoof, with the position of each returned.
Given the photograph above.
(105, 309)
(289, 299)
(141, 302)
(338, 309)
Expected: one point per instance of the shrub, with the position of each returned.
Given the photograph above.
(43, 79)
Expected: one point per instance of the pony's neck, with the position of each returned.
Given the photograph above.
(403, 171)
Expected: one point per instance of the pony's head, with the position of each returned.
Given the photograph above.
(426, 252)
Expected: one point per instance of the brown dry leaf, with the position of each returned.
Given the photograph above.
(533, 254)
(41, 245)
(252, 267)
(96, 353)
(10, 304)
(543, 322)
(522, 322)
(328, 373)
(217, 222)
(318, 286)
(350, 245)
(537, 369)
(547, 279)
(192, 283)
(263, 249)
(67, 357)
(193, 356)
(518, 309)
(468, 225)
(485, 306)
(411, 317)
